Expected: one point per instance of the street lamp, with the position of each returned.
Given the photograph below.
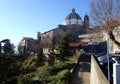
(108, 58)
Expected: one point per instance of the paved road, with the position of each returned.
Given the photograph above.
(81, 74)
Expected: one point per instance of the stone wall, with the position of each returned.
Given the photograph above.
(47, 38)
(97, 76)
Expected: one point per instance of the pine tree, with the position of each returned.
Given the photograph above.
(40, 57)
(64, 48)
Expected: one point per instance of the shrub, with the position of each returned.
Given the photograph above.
(23, 79)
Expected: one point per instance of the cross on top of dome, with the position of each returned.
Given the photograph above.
(73, 10)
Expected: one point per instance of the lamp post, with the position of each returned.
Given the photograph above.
(108, 59)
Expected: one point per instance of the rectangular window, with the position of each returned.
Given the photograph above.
(69, 22)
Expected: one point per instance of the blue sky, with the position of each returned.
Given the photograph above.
(24, 18)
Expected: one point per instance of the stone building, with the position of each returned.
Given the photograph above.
(29, 45)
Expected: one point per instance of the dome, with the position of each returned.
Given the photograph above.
(73, 18)
(73, 15)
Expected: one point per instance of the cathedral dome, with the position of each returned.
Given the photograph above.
(73, 18)
(73, 15)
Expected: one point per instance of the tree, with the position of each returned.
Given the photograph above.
(7, 47)
(9, 67)
(40, 57)
(106, 13)
(64, 48)
(0, 48)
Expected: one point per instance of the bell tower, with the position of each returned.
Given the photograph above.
(38, 36)
(86, 21)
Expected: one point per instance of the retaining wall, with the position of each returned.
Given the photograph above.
(97, 76)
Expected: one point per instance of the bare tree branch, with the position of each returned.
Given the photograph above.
(105, 10)
(106, 13)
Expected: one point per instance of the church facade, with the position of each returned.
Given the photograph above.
(72, 25)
